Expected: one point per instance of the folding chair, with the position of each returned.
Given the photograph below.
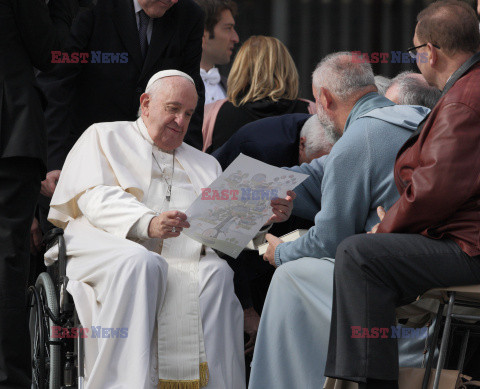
(467, 297)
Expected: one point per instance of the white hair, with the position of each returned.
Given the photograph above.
(154, 87)
(316, 140)
(414, 90)
(382, 83)
(152, 91)
(342, 74)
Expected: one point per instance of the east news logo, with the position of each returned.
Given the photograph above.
(88, 57)
(81, 332)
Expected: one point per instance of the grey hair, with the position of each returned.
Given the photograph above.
(315, 137)
(152, 90)
(412, 91)
(382, 83)
(342, 74)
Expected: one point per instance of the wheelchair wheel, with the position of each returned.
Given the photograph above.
(45, 350)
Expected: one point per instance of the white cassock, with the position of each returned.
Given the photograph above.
(109, 190)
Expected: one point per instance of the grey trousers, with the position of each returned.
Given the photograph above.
(375, 273)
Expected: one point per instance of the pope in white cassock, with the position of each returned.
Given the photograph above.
(120, 199)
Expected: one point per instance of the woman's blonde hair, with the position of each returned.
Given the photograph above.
(263, 68)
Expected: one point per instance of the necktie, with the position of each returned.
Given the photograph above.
(142, 31)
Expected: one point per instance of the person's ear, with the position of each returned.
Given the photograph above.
(302, 156)
(432, 54)
(144, 103)
(301, 145)
(315, 93)
(326, 97)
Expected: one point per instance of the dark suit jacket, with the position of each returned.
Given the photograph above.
(28, 31)
(230, 118)
(223, 83)
(275, 141)
(272, 140)
(82, 94)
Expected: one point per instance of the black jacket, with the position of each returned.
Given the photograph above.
(272, 140)
(29, 31)
(275, 141)
(231, 118)
(82, 94)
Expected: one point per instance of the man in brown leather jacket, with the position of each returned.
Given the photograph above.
(431, 236)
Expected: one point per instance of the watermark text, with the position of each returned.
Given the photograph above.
(392, 332)
(59, 332)
(242, 194)
(88, 57)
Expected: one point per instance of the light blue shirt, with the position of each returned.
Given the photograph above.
(346, 187)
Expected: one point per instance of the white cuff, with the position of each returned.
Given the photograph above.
(140, 229)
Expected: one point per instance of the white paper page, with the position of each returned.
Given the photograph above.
(230, 212)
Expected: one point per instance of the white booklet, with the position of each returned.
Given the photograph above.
(230, 212)
(290, 237)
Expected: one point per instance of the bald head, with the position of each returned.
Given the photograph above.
(409, 88)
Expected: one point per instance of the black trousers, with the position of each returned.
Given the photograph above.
(375, 273)
(19, 189)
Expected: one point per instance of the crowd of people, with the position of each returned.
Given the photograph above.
(114, 153)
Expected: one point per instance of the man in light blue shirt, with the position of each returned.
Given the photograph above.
(342, 195)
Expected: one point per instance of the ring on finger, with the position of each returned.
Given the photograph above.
(174, 229)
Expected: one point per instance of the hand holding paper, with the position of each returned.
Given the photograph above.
(231, 211)
(282, 208)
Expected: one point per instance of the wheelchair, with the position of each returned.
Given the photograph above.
(57, 347)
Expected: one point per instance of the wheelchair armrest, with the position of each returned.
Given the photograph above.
(51, 235)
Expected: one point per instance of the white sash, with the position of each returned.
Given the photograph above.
(182, 360)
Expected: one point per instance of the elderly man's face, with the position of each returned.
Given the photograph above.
(331, 131)
(167, 113)
(156, 8)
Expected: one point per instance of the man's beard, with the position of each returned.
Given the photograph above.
(328, 125)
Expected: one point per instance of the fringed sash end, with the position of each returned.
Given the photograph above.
(204, 374)
(191, 384)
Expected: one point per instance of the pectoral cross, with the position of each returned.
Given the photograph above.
(169, 192)
(168, 195)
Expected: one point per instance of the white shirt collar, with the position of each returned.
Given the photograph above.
(144, 132)
(212, 76)
(137, 6)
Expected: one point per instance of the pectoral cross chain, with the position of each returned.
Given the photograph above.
(168, 195)
(169, 192)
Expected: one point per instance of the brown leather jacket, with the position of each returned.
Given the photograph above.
(437, 172)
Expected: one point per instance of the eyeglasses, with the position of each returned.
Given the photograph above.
(413, 50)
